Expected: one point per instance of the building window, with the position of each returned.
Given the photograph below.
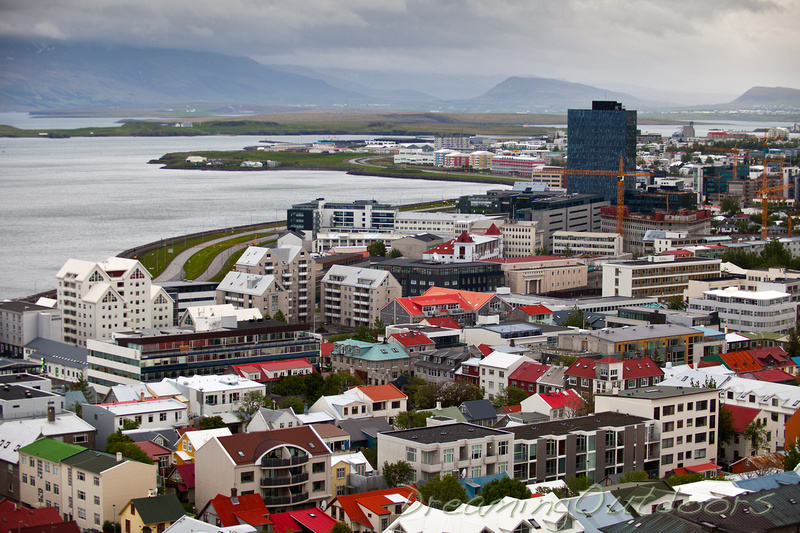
(247, 477)
(503, 448)
(318, 468)
(318, 486)
(476, 471)
(97, 500)
(81, 495)
(666, 459)
(341, 490)
(96, 481)
(477, 452)
(81, 513)
(448, 455)
(411, 455)
(81, 476)
(340, 473)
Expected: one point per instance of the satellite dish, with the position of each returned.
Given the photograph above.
(323, 504)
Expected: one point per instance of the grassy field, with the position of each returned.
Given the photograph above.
(228, 266)
(200, 260)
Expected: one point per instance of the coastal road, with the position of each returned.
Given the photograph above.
(175, 272)
(219, 261)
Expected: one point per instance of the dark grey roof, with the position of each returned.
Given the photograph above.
(358, 429)
(654, 522)
(584, 423)
(657, 391)
(60, 352)
(446, 433)
(11, 379)
(19, 307)
(593, 320)
(18, 392)
(168, 435)
(92, 461)
(478, 410)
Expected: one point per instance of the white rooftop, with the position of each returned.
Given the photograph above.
(735, 292)
(214, 383)
(147, 406)
(500, 359)
(17, 433)
(242, 283)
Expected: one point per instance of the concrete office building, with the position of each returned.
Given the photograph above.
(22, 322)
(574, 212)
(579, 243)
(358, 215)
(662, 276)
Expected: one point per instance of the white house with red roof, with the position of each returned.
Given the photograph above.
(600, 375)
(468, 247)
(372, 511)
(527, 375)
(532, 314)
(414, 342)
(387, 400)
(272, 371)
(556, 405)
(740, 446)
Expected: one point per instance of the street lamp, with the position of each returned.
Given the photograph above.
(114, 517)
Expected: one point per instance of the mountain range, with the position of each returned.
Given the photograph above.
(49, 76)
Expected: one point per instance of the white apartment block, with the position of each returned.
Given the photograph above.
(580, 243)
(332, 240)
(353, 296)
(768, 311)
(292, 266)
(22, 322)
(520, 238)
(253, 291)
(97, 299)
(688, 416)
(211, 395)
(661, 276)
(447, 225)
(495, 369)
(150, 413)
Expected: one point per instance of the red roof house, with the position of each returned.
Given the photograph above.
(227, 511)
(368, 509)
(13, 517)
(307, 520)
(413, 341)
(742, 416)
(526, 376)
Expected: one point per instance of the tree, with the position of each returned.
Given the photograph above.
(395, 253)
(730, 205)
(341, 527)
(677, 303)
(124, 444)
(377, 249)
(443, 492)
(297, 405)
(776, 255)
(709, 160)
(398, 474)
(567, 251)
(337, 383)
(742, 258)
(290, 386)
(418, 417)
(314, 383)
(127, 424)
(685, 478)
(574, 405)
(709, 383)
(81, 385)
(791, 457)
(793, 346)
(756, 431)
(251, 403)
(726, 430)
(497, 489)
(379, 327)
(364, 334)
(541, 251)
(211, 422)
(279, 316)
(576, 485)
(576, 318)
(633, 475)
(509, 396)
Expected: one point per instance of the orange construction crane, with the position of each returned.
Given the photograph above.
(766, 194)
(619, 175)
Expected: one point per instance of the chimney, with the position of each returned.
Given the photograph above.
(438, 406)
(234, 492)
(51, 412)
(141, 396)
(119, 457)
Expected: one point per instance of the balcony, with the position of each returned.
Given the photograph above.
(284, 480)
(276, 501)
(272, 462)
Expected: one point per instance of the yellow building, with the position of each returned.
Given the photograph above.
(191, 441)
(151, 515)
(344, 465)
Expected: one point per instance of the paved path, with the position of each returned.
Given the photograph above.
(175, 272)
(219, 261)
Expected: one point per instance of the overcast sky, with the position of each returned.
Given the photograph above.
(715, 46)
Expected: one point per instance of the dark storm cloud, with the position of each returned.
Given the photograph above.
(702, 42)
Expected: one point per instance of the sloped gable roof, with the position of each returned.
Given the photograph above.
(375, 501)
(227, 510)
(164, 508)
(742, 416)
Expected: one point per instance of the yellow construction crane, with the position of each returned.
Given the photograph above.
(619, 175)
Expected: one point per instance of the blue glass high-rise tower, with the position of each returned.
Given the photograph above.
(597, 137)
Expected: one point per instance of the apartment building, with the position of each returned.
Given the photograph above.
(462, 306)
(592, 376)
(666, 342)
(688, 416)
(465, 450)
(351, 296)
(152, 413)
(467, 248)
(289, 468)
(83, 485)
(339, 241)
(292, 267)
(595, 446)
(98, 299)
(212, 395)
(253, 291)
(495, 370)
(152, 355)
(593, 243)
(440, 366)
(274, 371)
(358, 215)
(417, 276)
(444, 225)
(573, 212)
(23, 322)
(520, 238)
(636, 225)
(373, 364)
(663, 276)
(767, 311)
(540, 274)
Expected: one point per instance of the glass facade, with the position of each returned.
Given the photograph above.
(597, 139)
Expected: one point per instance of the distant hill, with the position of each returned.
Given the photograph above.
(546, 95)
(51, 75)
(769, 97)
